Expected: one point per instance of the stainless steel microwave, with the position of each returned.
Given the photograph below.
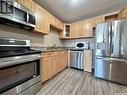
(14, 14)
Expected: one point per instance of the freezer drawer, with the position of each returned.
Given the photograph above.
(112, 69)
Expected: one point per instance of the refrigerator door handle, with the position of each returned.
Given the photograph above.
(113, 59)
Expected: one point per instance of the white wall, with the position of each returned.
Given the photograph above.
(36, 38)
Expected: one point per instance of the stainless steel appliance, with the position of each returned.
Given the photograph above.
(82, 45)
(111, 51)
(76, 59)
(13, 14)
(19, 68)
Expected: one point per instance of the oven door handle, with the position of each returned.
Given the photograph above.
(18, 60)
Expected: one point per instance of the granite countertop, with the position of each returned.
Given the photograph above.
(45, 49)
(53, 49)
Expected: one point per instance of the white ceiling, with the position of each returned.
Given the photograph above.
(73, 10)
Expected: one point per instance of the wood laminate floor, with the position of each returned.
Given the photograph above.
(75, 82)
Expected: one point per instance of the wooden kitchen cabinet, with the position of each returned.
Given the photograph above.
(123, 13)
(66, 33)
(48, 67)
(98, 20)
(59, 62)
(75, 29)
(56, 23)
(42, 20)
(88, 60)
(29, 4)
(60, 24)
(52, 20)
(86, 28)
(62, 60)
(52, 63)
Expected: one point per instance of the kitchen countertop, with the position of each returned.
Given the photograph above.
(53, 50)
(45, 49)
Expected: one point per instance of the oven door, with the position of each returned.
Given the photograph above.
(18, 70)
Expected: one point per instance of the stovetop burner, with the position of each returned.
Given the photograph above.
(15, 47)
(18, 53)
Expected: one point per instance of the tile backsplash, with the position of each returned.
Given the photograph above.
(37, 39)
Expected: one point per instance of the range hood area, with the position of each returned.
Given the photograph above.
(15, 15)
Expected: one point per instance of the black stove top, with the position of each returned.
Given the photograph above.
(18, 53)
(15, 47)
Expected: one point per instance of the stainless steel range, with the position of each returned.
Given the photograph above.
(19, 68)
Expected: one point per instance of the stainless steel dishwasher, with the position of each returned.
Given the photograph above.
(76, 59)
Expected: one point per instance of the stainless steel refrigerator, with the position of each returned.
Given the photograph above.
(111, 51)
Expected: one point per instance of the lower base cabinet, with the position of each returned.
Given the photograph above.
(61, 62)
(52, 63)
(47, 68)
(88, 60)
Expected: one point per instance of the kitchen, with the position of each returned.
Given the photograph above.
(49, 49)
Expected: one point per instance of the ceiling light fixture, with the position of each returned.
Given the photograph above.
(74, 1)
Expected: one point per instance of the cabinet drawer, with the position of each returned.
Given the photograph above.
(48, 54)
(60, 52)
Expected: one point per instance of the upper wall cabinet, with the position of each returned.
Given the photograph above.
(123, 14)
(28, 4)
(98, 20)
(81, 29)
(56, 23)
(42, 20)
(75, 30)
(86, 28)
(67, 31)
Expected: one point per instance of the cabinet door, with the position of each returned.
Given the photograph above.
(61, 62)
(98, 20)
(46, 22)
(102, 19)
(32, 5)
(52, 20)
(23, 3)
(61, 25)
(56, 22)
(75, 29)
(29, 4)
(42, 20)
(58, 63)
(86, 28)
(123, 13)
(48, 67)
(66, 59)
(66, 31)
(88, 60)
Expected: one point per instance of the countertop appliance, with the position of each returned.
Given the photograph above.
(82, 45)
(19, 68)
(76, 59)
(111, 51)
(15, 15)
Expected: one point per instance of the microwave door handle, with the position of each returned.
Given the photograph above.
(27, 17)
